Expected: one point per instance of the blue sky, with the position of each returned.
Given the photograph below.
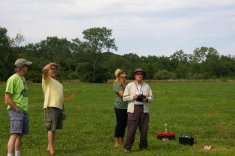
(144, 27)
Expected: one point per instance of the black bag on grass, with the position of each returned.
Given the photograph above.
(187, 139)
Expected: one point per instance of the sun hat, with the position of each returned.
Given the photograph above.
(138, 70)
(21, 62)
(118, 72)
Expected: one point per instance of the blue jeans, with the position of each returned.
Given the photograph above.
(121, 122)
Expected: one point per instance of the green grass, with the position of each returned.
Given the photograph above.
(205, 110)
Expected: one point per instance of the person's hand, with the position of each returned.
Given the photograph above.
(63, 116)
(49, 65)
(124, 84)
(145, 100)
(17, 108)
(135, 97)
(53, 64)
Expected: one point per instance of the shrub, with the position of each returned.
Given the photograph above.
(194, 76)
(164, 75)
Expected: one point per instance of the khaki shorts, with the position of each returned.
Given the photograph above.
(53, 118)
(19, 122)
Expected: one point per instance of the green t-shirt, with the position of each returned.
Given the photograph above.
(119, 103)
(16, 86)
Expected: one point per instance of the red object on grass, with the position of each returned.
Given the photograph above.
(166, 135)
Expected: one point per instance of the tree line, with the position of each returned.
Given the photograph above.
(91, 59)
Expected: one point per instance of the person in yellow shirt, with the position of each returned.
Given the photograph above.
(54, 112)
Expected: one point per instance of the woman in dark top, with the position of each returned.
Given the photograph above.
(120, 106)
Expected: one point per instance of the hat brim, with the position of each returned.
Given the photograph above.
(133, 74)
(28, 63)
(121, 71)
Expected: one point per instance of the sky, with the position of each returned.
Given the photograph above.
(143, 27)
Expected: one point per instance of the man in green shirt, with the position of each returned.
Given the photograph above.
(16, 96)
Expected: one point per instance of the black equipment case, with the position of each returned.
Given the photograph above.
(187, 139)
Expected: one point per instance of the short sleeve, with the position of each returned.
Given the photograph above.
(118, 87)
(9, 86)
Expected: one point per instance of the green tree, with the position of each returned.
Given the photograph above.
(195, 67)
(53, 49)
(200, 54)
(212, 54)
(16, 43)
(182, 71)
(97, 40)
(7, 56)
(134, 59)
(180, 56)
(228, 66)
(113, 62)
(164, 64)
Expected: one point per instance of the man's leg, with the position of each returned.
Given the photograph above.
(12, 143)
(132, 124)
(50, 147)
(16, 130)
(143, 131)
(18, 143)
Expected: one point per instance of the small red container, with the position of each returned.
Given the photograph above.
(165, 135)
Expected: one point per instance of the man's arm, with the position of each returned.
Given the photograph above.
(11, 102)
(150, 95)
(46, 69)
(127, 93)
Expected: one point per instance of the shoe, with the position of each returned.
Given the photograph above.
(127, 150)
(143, 149)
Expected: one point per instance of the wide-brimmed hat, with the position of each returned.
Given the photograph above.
(138, 70)
(21, 62)
(118, 72)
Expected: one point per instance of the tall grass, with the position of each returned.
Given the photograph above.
(205, 110)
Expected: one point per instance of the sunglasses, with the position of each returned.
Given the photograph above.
(53, 69)
(122, 72)
(139, 74)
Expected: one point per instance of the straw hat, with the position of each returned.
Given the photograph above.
(118, 72)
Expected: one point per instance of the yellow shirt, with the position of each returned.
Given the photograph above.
(53, 93)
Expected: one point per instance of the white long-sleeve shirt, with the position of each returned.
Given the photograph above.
(130, 91)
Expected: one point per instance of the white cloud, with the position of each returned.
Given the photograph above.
(143, 26)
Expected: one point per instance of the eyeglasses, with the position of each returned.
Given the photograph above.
(139, 74)
(122, 72)
(26, 66)
(53, 69)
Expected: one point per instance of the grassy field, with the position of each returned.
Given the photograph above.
(206, 110)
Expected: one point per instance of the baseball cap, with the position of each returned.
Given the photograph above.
(21, 62)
